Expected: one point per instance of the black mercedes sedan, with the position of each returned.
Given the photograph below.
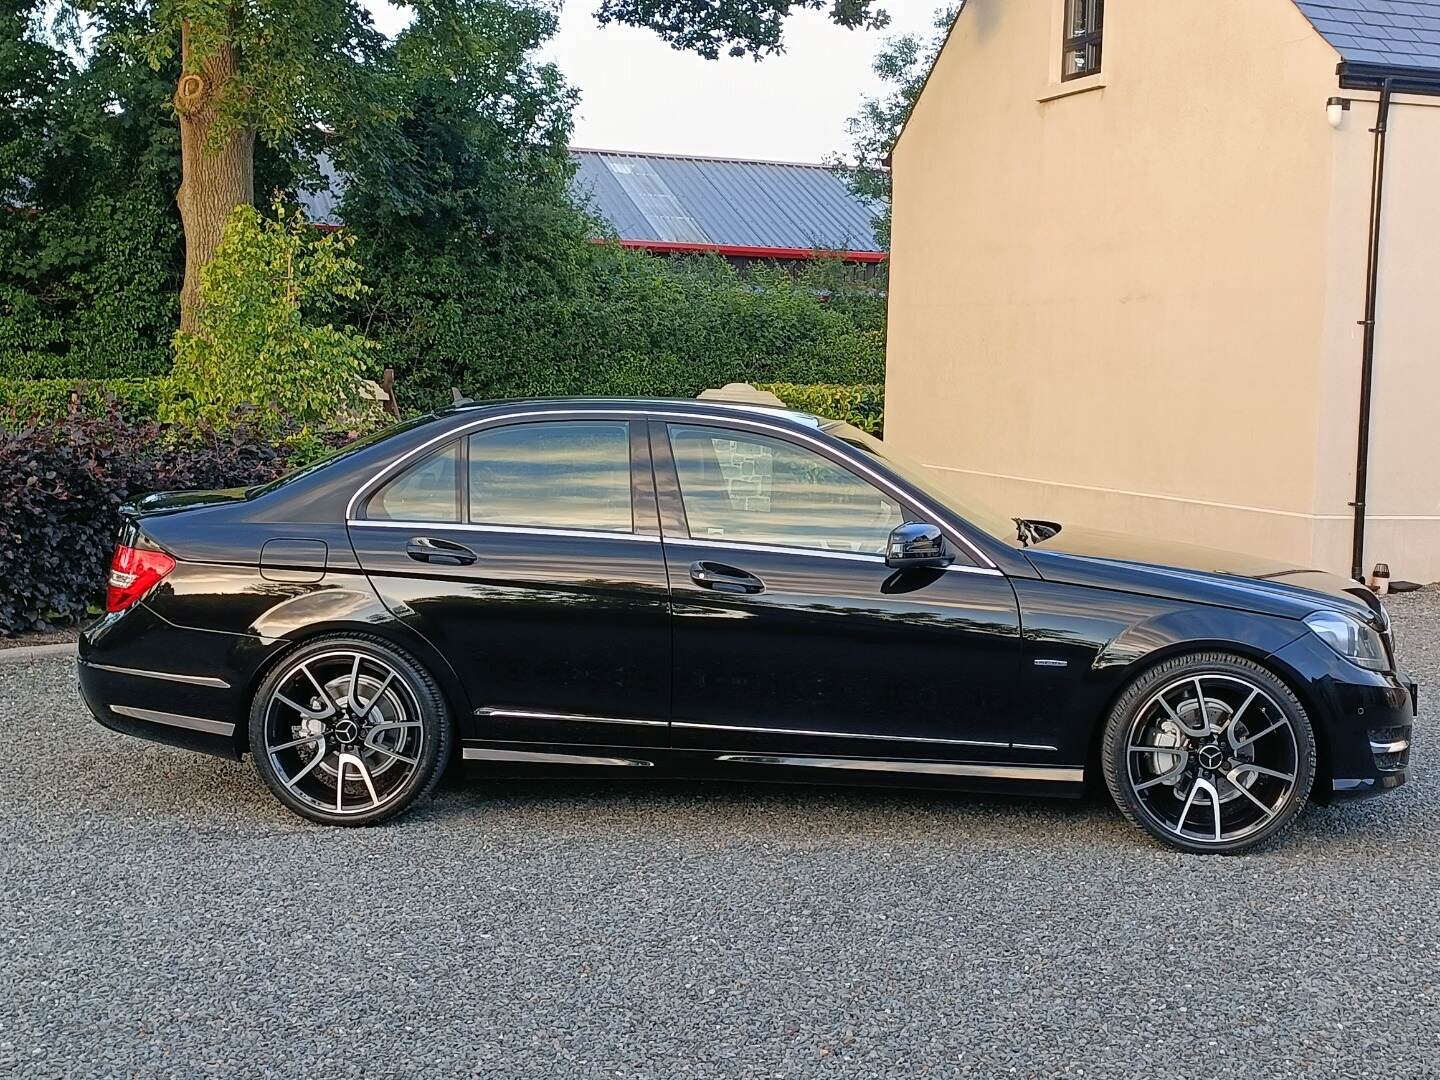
(627, 587)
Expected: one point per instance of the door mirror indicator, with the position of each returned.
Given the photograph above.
(916, 546)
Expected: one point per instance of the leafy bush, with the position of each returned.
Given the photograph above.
(61, 487)
(863, 405)
(26, 401)
(260, 340)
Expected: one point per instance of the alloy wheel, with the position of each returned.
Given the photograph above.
(1212, 759)
(343, 732)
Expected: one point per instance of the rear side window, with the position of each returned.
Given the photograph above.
(568, 474)
(428, 491)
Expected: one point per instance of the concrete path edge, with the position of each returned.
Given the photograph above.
(22, 653)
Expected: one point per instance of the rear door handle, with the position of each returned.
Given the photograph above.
(726, 579)
(432, 549)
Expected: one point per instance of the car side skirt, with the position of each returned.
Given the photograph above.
(580, 761)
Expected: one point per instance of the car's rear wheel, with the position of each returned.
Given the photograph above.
(349, 731)
(1209, 753)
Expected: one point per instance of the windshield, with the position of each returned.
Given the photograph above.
(998, 525)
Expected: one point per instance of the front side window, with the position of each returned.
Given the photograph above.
(1084, 21)
(569, 474)
(427, 491)
(753, 489)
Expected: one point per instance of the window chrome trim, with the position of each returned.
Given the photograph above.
(525, 714)
(1042, 773)
(781, 549)
(486, 753)
(643, 413)
(192, 723)
(822, 553)
(839, 735)
(518, 530)
(169, 676)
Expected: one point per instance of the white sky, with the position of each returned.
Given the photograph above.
(639, 94)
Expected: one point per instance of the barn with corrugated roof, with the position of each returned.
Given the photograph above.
(744, 210)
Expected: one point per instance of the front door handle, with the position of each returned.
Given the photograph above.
(726, 579)
(432, 549)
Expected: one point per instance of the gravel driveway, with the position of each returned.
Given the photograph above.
(160, 914)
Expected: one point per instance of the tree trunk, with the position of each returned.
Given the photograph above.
(216, 175)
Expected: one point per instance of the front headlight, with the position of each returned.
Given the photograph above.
(1351, 638)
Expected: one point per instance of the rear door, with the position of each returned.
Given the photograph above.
(528, 552)
(791, 633)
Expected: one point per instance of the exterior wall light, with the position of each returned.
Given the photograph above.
(1335, 110)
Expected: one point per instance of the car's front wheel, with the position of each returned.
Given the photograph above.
(1209, 753)
(349, 731)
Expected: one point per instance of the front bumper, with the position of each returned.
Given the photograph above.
(1365, 723)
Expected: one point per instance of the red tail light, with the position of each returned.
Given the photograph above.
(133, 573)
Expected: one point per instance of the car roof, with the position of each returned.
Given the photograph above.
(739, 410)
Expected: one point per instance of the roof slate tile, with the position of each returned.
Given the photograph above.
(1402, 33)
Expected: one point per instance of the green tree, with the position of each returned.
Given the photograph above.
(475, 152)
(242, 69)
(90, 245)
(903, 64)
(286, 73)
(261, 336)
(739, 27)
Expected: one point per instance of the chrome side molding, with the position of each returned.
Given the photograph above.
(535, 757)
(934, 768)
(193, 723)
(581, 718)
(860, 735)
(168, 676)
(491, 712)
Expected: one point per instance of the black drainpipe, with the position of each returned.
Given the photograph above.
(1367, 359)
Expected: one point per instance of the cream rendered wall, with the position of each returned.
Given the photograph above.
(1109, 306)
(1404, 500)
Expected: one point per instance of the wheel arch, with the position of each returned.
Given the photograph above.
(1265, 657)
(390, 630)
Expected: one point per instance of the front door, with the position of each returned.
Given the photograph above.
(790, 632)
(529, 554)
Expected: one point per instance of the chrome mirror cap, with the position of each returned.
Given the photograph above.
(917, 545)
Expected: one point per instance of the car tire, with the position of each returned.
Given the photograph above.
(1209, 752)
(349, 730)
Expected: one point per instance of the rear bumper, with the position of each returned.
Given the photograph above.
(1365, 724)
(141, 676)
(115, 697)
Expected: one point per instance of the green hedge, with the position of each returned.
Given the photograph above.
(862, 405)
(31, 400)
(612, 322)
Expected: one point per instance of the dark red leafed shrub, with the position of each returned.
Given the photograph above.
(62, 484)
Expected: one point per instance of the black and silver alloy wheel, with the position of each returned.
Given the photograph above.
(349, 731)
(1209, 753)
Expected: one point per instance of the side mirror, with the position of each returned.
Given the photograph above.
(916, 546)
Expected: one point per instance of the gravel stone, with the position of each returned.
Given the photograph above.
(162, 915)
